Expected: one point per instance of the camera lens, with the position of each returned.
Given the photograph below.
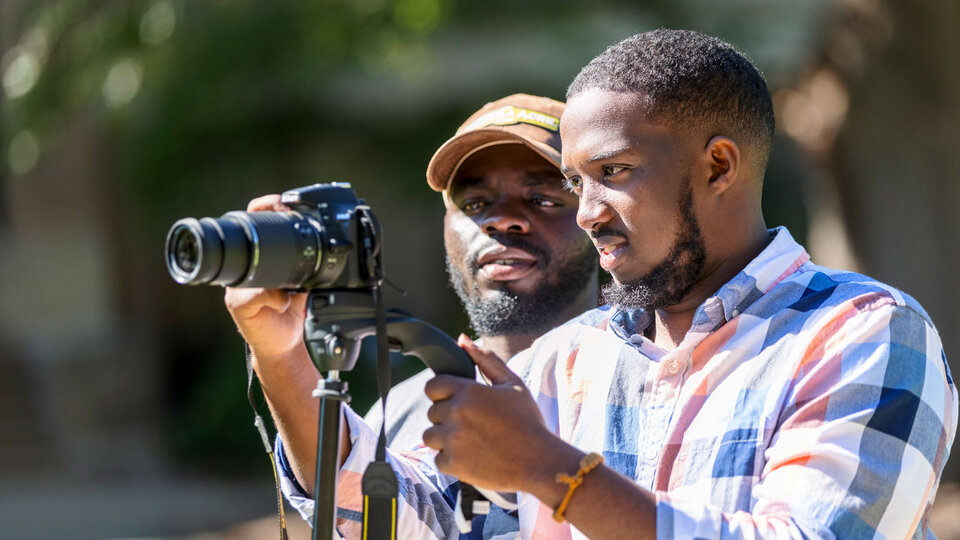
(284, 249)
(186, 250)
(194, 251)
(232, 250)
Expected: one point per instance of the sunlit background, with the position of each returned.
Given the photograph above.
(122, 395)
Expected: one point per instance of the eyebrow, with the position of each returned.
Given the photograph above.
(599, 156)
(533, 178)
(468, 182)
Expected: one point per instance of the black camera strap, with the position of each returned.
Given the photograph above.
(379, 484)
(262, 429)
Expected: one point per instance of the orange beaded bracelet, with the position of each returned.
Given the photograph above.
(587, 464)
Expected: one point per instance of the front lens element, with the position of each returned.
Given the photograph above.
(276, 250)
(186, 250)
(194, 251)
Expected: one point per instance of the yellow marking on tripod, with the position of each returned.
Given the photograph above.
(393, 529)
(393, 516)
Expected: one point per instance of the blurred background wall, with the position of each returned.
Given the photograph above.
(122, 407)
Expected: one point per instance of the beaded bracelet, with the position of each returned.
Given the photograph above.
(587, 464)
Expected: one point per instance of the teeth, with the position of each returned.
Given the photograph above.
(506, 261)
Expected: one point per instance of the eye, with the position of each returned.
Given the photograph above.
(612, 170)
(472, 205)
(572, 184)
(537, 200)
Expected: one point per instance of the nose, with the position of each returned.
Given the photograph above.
(593, 210)
(505, 217)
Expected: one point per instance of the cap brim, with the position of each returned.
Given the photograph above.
(448, 158)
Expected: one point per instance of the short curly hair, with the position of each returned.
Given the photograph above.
(690, 80)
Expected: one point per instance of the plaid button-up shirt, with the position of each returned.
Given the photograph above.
(803, 402)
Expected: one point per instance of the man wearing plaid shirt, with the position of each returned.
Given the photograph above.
(733, 388)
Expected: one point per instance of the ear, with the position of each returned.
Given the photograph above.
(725, 166)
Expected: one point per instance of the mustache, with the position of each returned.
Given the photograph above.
(507, 241)
(606, 230)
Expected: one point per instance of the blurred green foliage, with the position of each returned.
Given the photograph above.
(206, 104)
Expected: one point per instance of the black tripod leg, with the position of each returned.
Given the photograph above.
(328, 451)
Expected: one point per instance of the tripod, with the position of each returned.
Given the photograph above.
(336, 321)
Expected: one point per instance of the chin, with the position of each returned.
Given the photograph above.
(496, 286)
(619, 279)
(625, 276)
(510, 287)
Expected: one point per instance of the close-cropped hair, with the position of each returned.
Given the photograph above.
(688, 80)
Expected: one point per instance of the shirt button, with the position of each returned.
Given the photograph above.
(673, 368)
(651, 454)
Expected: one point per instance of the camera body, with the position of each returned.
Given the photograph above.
(328, 244)
(329, 239)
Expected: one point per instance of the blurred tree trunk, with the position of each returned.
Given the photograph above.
(888, 143)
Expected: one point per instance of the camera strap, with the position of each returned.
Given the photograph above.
(262, 429)
(379, 484)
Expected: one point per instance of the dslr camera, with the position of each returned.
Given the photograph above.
(327, 244)
(328, 240)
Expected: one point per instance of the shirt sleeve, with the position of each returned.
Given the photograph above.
(425, 500)
(866, 427)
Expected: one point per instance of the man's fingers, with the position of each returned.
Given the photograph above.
(267, 203)
(246, 303)
(298, 301)
(492, 367)
(442, 461)
(443, 387)
(433, 437)
(439, 412)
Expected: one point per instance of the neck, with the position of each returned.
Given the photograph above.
(673, 322)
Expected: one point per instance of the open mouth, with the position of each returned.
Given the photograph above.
(507, 264)
(612, 249)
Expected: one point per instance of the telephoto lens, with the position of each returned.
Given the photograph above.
(229, 250)
(328, 239)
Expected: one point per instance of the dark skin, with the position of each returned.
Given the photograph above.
(508, 189)
(630, 174)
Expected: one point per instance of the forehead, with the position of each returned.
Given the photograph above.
(598, 123)
(597, 113)
(512, 163)
(606, 107)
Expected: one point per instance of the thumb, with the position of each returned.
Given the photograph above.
(491, 366)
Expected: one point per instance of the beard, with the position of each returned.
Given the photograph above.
(668, 282)
(499, 311)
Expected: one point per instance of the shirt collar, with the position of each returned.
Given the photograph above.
(781, 258)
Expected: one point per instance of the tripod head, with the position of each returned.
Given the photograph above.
(337, 320)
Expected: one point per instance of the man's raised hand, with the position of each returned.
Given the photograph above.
(270, 320)
(489, 436)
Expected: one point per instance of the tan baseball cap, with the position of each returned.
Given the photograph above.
(520, 118)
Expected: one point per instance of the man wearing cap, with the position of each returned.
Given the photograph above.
(516, 259)
(736, 389)
(512, 289)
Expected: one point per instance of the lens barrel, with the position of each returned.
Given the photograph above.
(228, 250)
